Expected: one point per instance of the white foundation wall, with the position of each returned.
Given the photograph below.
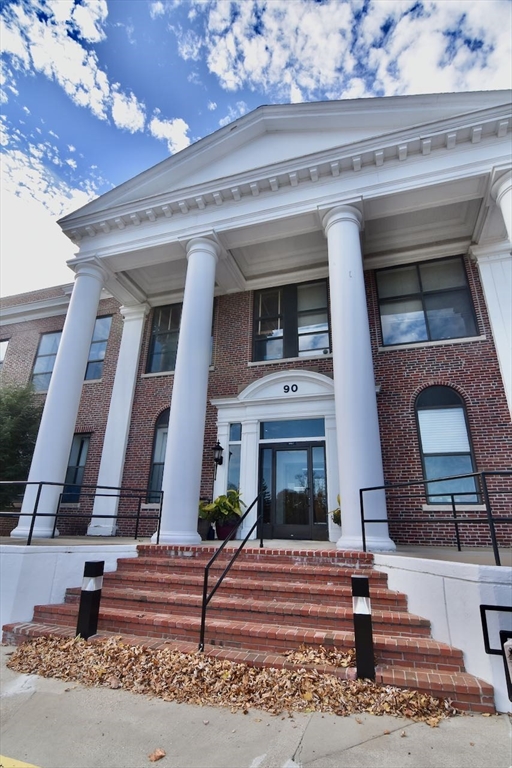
(449, 595)
(39, 575)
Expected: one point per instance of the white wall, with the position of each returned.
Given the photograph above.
(38, 575)
(449, 595)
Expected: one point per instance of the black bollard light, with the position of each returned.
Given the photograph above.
(361, 608)
(90, 596)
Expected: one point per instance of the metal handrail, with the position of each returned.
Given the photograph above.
(484, 493)
(207, 597)
(124, 493)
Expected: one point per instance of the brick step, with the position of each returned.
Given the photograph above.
(244, 609)
(418, 652)
(326, 594)
(300, 574)
(465, 691)
(328, 556)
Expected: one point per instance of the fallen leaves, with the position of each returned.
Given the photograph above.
(157, 755)
(329, 656)
(198, 679)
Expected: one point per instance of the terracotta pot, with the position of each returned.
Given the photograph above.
(224, 529)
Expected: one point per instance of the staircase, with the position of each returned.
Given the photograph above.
(272, 601)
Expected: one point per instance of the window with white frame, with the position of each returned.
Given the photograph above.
(291, 321)
(430, 301)
(158, 457)
(235, 450)
(445, 446)
(76, 469)
(98, 348)
(3, 351)
(45, 360)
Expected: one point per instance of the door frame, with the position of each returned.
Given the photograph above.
(273, 530)
(278, 396)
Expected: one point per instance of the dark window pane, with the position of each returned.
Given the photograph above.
(446, 466)
(235, 432)
(94, 371)
(450, 315)
(269, 350)
(164, 339)
(98, 349)
(49, 344)
(311, 296)
(266, 483)
(102, 328)
(439, 275)
(41, 382)
(319, 485)
(270, 303)
(403, 322)
(270, 327)
(44, 364)
(437, 397)
(313, 344)
(275, 430)
(398, 282)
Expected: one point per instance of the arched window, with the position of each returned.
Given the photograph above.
(445, 445)
(158, 457)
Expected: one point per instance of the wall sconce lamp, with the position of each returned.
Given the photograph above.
(217, 457)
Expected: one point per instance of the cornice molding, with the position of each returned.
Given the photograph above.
(401, 147)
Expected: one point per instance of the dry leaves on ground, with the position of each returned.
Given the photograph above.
(198, 679)
(329, 656)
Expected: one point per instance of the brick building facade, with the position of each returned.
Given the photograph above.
(428, 337)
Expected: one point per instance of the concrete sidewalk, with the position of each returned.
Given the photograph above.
(53, 724)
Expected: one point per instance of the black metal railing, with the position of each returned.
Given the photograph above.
(87, 491)
(482, 494)
(207, 597)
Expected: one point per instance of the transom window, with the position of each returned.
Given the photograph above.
(164, 338)
(98, 348)
(425, 302)
(445, 446)
(291, 321)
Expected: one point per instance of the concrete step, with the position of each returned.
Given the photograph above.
(252, 609)
(466, 692)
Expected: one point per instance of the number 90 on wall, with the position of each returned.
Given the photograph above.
(290, 388)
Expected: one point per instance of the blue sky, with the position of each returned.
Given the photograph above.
(96, 91)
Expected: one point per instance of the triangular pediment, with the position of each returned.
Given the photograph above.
(271, 136)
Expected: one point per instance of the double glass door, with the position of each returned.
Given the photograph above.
(293, 479)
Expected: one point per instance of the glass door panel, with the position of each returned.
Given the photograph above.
(294, 485)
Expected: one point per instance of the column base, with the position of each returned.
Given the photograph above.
(373, 543)
(37, 533)
(101, 530)
(177, 537)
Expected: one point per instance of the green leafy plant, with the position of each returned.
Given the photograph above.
(20, 413)
(224, 509)
(336, 513)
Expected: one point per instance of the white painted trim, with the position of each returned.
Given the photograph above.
(262, 401)
(255, 363)
(440, 343)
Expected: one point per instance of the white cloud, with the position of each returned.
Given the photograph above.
(344, 48)
(127, 112)
(156, 9)
(212, 106)
(34, 249)
(173, 131)
(189, 45)
(234, 113)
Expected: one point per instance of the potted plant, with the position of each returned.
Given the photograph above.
(225, 512)
(336, 513)
(204, 525)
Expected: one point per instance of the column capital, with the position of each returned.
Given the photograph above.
(135, 312)
(342, 213)
(501, 186)
(90, 269)
(203, 244)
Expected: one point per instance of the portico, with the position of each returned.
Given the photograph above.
(366, 190)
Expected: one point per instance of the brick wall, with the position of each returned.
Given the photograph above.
(470, 367)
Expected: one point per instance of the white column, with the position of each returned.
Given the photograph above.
(502, 193)
(118, 423)
(53, 445)
(181, 482)
(358, 438)
(249, 471)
